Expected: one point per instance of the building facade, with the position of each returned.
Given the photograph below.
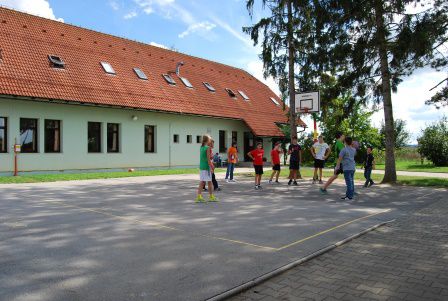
(75, 99)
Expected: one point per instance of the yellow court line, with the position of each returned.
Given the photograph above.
(329, 230)
(129, 219)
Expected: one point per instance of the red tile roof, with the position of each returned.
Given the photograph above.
(26, 41)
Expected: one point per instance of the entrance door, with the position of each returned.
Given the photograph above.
(249, 141)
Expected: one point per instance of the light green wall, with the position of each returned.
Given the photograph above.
(74, 153)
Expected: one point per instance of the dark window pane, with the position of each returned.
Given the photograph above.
(234, 137)
(198, 139)
(222, 141)
(28, 135)
(94, 137)
(52, 136)
(149, 139)
(189, 139)
(113, 138)
(176, 138)
(3, 135)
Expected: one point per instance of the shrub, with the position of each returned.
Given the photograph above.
(433, 144)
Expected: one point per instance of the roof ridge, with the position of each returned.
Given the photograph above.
(119, 37)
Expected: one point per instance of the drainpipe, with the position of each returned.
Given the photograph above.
(169, 145)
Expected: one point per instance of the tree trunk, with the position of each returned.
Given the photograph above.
(390, 173)
(291, 85)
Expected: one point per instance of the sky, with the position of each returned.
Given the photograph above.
(212, 29)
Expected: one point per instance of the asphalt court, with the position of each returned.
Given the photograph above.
(145, 239)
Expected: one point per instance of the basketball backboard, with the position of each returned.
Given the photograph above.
(307, 102)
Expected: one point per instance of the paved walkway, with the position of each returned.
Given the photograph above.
(406, 260)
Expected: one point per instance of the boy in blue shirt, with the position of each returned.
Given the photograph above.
(347, 158)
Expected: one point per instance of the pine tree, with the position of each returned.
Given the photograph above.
(376, 43)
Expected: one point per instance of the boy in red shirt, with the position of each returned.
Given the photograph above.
(257, 156)
(275, 159)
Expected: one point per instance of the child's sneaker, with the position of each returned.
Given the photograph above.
(256, 187)
(295, 183)
(290, 182)
(232, 181)
(277, 182)
(270, 182)
(212, 198)
(259, 187)
(199, 199)
(323, 191)
(314, 181)
(321, 182)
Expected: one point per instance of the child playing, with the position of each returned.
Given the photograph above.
(205, 170)
(295, 152)
(369, 165)
(232, 159)
(214, 182)
(338, 146)
(320, 152)
(275, 159)
(257, 156)
(347, 157)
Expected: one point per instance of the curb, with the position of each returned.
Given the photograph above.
(245, 286)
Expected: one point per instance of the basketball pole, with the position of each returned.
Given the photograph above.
(315, 127)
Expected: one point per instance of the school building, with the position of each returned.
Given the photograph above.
(77, 99)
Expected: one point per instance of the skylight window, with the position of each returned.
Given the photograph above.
(209, 87)
(231, 93)
(169, 79)
(186, 82)
(56, 61)
(275, 101)
(243, 95)
(108, 68)
(140, 74)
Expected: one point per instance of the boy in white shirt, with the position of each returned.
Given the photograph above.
(320, 152)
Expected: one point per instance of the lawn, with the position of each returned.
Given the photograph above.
(416, 166)
(94, 175)
(402, 180)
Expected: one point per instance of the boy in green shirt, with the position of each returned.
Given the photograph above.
(205, 169)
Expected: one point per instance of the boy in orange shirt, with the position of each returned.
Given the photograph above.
(257, 156)
(232, 159)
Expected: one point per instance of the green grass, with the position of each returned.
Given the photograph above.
(416, 166)
(402, 180)
(96, 175)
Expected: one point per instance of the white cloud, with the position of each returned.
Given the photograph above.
(256, 69)
(158, 45)
(237, 34)
(409, 102)
(114, 5)
(35, 7)
(130, 15)
(202, 27)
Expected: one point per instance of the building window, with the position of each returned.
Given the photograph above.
(52, 136)
(209, 87)
(234, 137)
(198, 139)
(3, 135)
(140, 73)
(176, 138)
(244, 95)
(186, 82)
(56, 61)
(113, 137)
(28, 135)
(275, 101)
(189, 139)
(231, 93)
(94, 137)
(108, 68)
(222, 142)
(150, 139)
(169, 79)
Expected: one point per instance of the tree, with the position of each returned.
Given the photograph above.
(286, 35)
(375, 43)
(433, 144)
(400, 132)
(440, 99)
